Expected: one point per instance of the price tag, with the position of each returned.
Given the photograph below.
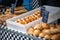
(12, 8)
(42, 10)
(45, 16)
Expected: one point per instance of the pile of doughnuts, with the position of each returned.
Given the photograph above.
(29, 19)
(47, 31)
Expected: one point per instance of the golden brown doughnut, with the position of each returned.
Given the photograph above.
(36, 32)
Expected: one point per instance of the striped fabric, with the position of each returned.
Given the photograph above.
(35, 4)
(8, 34)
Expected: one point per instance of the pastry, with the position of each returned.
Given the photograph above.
(30, 30)
(38, 26)
(30, 19)
(41, 35)
(18, 21)
(27, 19)
(58, 26)
(37, 17)
(36, 33)
(46, 31)
(56, 30)
(37, 12)
(34, 16)
(52, 26)
(55, 37)
(45, 26)
(24, 22)
(47, 36)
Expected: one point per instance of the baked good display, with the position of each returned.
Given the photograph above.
(43, 30)
(30, 18)
(47, 31)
